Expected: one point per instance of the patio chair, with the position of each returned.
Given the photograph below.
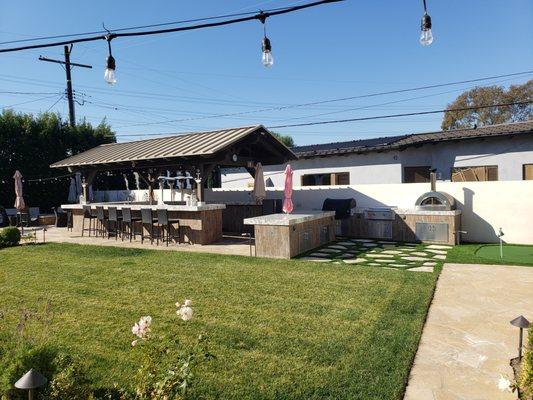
(11, 216)
(102, 221)
(163, 222)
(88, 214)
(148, 221)
(3, 217)
(61, 217)
(128, 224)
(114, 223)
(33, 215)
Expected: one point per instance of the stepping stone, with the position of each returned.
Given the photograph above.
(389, 246)
(439, 257)
(355, 261)
(322, 255)
(369, 244)
(380, 255)
(374, 264)
(437, 251)
(328, 250)
(315, 259)
(410, 244)
(345, 243)
(419, 253)
(439, 247)
(421, 269)
(391, 252)
(399, 265)
(384, 260)
(429, 264)
(409, 258)
(337, 246)
(343, 256)
(385, 242)
(362, 240)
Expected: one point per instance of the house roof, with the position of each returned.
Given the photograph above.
(404, 141)
(184, 146)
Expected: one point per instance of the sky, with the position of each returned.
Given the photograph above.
(185, 81)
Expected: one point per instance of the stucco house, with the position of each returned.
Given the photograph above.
(501, 152)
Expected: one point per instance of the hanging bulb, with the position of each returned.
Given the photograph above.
(109, 74)
(267, 59)
(426, 36)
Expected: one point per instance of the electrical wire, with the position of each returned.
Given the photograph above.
(110, 35)
(339, 121)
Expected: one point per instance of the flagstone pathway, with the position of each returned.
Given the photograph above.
(378, 253)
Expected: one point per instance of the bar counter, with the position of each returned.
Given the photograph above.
(201, 224)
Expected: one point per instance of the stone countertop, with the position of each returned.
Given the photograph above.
(288, 219)
(137, 207)
(414, 211)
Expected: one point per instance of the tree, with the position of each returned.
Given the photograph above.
(489, 116)
(285, 139)
(31, 143)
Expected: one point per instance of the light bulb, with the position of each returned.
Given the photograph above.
(109, 76)
(267, 59)
(426, 36)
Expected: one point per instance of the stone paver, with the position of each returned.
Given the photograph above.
(337, 247)
(329, 250)
(429, 264)
(439, 257)
(380, 255)
(355, 261)
(467, 340)
(322, 255)
(369, 244)
(439, 246)
(414, 258)
(437, 251)
(421, 269)
(419, 253)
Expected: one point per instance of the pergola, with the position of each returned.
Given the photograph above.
(199, 152)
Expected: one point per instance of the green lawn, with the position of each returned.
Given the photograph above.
(490, 254)
(279, 329)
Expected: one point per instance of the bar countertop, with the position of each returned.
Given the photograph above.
(288, 219)
(137, 206)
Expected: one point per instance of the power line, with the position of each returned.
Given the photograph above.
(339, 121)
(290, 106)
(109, 36)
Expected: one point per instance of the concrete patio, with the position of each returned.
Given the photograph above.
(467, 341)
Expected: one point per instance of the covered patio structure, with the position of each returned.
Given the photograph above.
(198, 154)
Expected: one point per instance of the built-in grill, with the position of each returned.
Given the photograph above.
(344, 209)
(434, 200)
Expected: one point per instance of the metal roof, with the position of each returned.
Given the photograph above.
(403, 141)
(180, 146)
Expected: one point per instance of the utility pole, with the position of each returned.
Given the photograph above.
(68, 67)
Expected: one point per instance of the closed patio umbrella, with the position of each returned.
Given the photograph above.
(19, 200)
(79, 188)
(287, 201)
(259, 192)
(72, 191)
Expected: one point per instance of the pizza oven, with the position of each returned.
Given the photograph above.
(434, 200)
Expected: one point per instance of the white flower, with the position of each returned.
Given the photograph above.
(134, 343)
(504, 384)
(185, 313)
(141, 328)
(187, 303)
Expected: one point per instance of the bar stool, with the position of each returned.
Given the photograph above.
(102, 221)
(87, 214)
(128, 222)
(113, 220)
(148, 219)
(164, 222)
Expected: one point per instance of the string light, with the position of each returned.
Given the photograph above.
(426, 36)
(267, 59)
(109, 74)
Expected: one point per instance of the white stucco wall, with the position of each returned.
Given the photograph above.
(508, 153)
(486, 206)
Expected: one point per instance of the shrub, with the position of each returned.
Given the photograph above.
(9, 236)
(525, 380)
(70, 379)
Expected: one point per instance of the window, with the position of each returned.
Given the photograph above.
(416, 174)
(528, 172)
(473, 174)
(331, 179)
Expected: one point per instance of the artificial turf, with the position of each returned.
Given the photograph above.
(490, 254)
(279, 329)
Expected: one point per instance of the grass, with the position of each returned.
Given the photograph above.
(490, 254)
(280, 329)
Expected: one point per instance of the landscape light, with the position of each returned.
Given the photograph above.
(426, 36)
(30, 381)
(109, 74)
(522, 323)
(267, 59)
